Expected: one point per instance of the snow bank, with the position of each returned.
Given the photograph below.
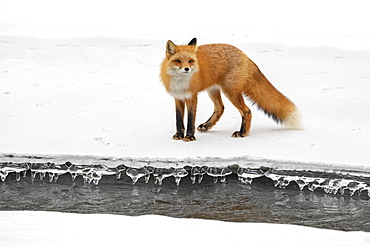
(102, 97)
(61, 229)
(78, 95)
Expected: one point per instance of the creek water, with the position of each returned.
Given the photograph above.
(231, 201)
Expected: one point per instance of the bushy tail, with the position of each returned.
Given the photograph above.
(272, 102)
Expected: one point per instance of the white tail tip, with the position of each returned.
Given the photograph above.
(294, 120)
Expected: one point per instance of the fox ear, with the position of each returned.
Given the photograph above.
(171, 49)
(193, 41)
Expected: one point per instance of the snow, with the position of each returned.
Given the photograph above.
(90, 86)
(82, 78)
(61, 229)
(102, 96)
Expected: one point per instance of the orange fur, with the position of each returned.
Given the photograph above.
(188, 70)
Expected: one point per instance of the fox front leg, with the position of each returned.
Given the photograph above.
(191, 105)
(180, 128)
(191, 128)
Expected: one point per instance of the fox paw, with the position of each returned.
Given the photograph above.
(178, 136)
(204, 127)
(238, 134)
(189, 138)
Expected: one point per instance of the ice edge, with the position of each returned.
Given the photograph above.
(215, 161)
(332, 179)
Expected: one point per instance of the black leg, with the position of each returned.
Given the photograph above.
(180, 128)
(191, 105)
(191, 127)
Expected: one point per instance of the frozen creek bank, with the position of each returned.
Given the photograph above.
(331, 178)
(102, 97)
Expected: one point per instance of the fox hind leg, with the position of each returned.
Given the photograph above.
(238, 101)
(215, 95)
(245, 125)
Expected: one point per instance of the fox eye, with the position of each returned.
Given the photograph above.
(177, 61)
(191, 61)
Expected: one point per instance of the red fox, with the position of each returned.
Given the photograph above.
(190, 69)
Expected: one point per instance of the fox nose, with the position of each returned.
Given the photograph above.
(186, 69)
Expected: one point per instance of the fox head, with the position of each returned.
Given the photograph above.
(181, 59)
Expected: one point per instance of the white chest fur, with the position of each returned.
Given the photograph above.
(179, 86)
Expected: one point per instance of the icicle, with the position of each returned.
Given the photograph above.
(335, 186)
(179, 173)
(284, 183)
(54, 170)
(51, 177)
(39, 168)
(202, 171)
(96, 177)
(161, 173)
(136, 173)
(312, 186)
(355, 186)
(150, 171)
(73, 175)
(18, 176)
(197, 171)
(120, 169)
(9, 167)
(274, 177)
(301, 183)
(331, 186)
(217, 172)
(193, 174)
(86, 175)
(33, 175)
(304, 181)
(3, 175)
(283, 178)
(76, 170)
(247, 180)
(246, 175)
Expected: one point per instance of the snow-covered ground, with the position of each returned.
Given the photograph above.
(82, 95)
(102, 96)
(85, 81)
(61, 229)
(81, 78)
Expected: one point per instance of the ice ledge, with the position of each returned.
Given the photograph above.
(242, 161)
(331, 178)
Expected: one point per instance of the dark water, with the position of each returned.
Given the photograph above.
(231, 201)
